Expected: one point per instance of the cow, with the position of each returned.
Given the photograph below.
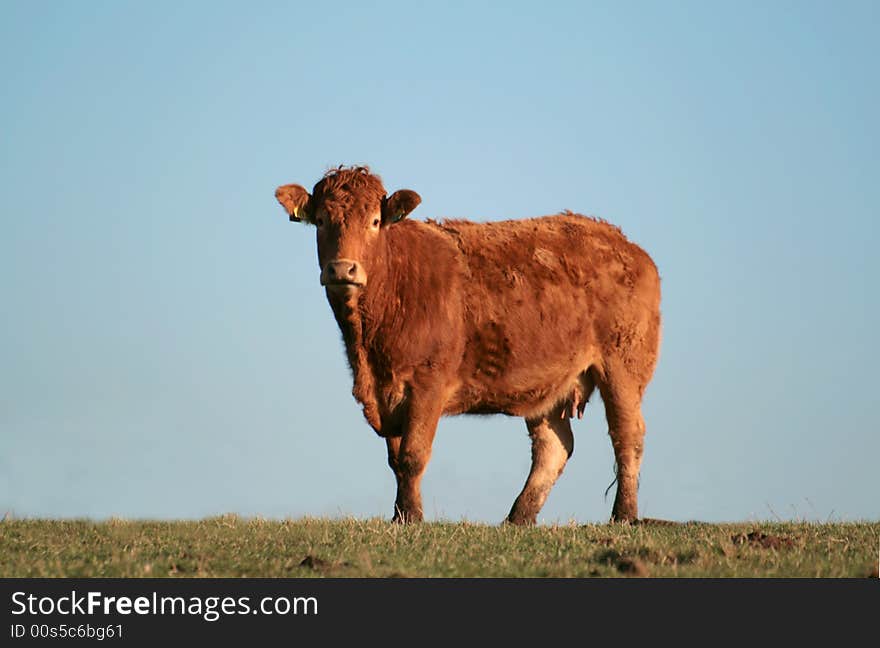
(518, 317)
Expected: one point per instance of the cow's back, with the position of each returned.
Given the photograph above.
(544, 300)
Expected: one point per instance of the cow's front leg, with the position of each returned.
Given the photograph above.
(408, 456)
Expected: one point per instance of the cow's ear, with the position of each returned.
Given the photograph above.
(295, 200)
(396, 206)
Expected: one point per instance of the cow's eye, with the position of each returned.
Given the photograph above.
(319, 221)
(375, 222)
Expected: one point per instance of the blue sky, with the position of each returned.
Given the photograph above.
(166, 348)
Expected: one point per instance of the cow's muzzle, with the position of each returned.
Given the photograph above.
(344, 273)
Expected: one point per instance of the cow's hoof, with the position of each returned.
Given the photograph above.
(521, 520)
(403, 517)
(623, 519)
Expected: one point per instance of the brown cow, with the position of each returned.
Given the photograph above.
(521, 317)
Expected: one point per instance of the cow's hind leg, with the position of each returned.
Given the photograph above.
(552, 445)
(621, 394)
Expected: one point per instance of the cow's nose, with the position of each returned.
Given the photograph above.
(343, 271)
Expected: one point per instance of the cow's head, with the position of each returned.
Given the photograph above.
(350, 210)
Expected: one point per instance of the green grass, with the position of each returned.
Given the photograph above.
(233, 546)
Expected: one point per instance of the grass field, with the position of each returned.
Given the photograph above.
(233, 546)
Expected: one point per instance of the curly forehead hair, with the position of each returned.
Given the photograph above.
(347, 186)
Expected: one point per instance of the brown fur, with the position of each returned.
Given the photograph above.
(521, 317)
